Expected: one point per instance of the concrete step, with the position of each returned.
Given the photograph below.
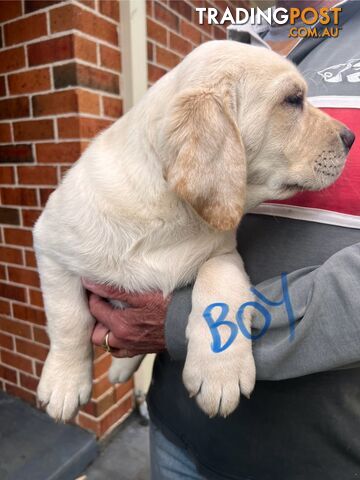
(34, 447)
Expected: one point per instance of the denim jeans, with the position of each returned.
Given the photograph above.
(168, 461)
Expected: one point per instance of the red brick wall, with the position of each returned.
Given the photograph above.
(60, 65)
(59, 86)
(173, 31)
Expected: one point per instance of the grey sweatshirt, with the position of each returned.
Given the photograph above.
(303, 419)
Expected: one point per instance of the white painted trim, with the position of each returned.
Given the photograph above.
(335, 101)
(134, 51)
(308, 214)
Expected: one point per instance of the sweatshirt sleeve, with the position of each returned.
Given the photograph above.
(320, 332)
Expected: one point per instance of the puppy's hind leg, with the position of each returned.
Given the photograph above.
(66, 381)
(123, 368)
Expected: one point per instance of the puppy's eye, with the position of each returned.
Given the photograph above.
(295, 100)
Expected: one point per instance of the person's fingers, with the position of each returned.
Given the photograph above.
(116, 320)
(105, 291)
(130, 298)
(123, 353)
(99, 334)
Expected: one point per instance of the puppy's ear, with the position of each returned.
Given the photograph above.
(207, 165)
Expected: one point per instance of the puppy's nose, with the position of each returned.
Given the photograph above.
(347, 137)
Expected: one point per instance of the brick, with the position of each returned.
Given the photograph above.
(63, 170)
(181, 7)
(31, 349)
(81, 127)
(101, 366)
(98, 408)
(29, 217)
(33, 130)
(166, 17)
(98, 352)
(110, 8)
(6, 341)
(88, 3)
(179, 44)
(5, 131)
(166, 58)
(36, 299)
(70, 17)
(53, 103)
(49, 51)
(19, 329)
(219, 33)
(10, 255)
(4, 307)
(37, 175)
(29, 314)
(30, 259)
(155, 73)
(190, 32)
(44, 195)
(9, 216)
(12, 292)
(26, 277)
(25, 395)
(84, 49)
(2, 86)
(7, 374)
(115, 415)
(33, 5)
(38, 368)
(156, 32)
(16, 154)
(150, 51)
(66, 152)
(41, 336)
(10, 9)
(29, 382)
(19, 196)
(73, 74)
(2, 272)
(123, 389)
(113, 107)
(30, 81)
(88, 423)
(101, 386)
(14, 108)
(16, 361)
(12, 59)
(88, 102)
(110, 58)
(25, 29)
(150, 8)
(7, 175)
(14, 236)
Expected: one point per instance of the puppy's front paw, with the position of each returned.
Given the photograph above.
(218, 379)
(122, 369)
(65, 384)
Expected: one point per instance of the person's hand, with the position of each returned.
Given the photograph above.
(136, 329)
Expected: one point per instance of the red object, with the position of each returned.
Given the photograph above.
(344, 195)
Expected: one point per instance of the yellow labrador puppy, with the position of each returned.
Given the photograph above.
(154, 203)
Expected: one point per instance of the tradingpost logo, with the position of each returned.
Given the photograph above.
(317, 23)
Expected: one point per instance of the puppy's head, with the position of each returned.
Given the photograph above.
(240, 131)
